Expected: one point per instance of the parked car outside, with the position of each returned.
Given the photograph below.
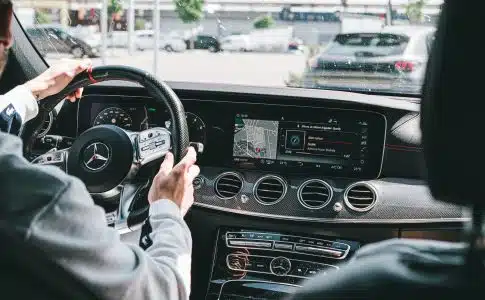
(236, 42)
(393, 59)
(144, 41)
(205, 42)
(54, 38)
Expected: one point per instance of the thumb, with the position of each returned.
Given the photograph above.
(167, 164)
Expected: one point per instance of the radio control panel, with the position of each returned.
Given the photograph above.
(287, 243)
(274, 257)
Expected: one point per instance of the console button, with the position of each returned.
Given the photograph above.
(283, 246)
(318, 251)
(311, 272)
(298, 269)
(254, 244)
(285, 238)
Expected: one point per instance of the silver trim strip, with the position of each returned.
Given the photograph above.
(224, 174)
(275, 177)
(274, 257)
(361, 183)
(326, 220)
(304, 184)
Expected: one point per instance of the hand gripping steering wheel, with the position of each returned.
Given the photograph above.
(107, 158)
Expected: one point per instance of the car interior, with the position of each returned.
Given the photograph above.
(337, 170)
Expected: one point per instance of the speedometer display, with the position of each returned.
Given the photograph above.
(114, 116)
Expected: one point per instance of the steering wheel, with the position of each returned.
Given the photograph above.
(107, 158)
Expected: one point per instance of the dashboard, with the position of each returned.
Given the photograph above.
(292, 181)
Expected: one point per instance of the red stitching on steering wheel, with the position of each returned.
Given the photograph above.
(90, 75)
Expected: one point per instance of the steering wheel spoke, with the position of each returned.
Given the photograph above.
(151, 144)
(130, 205)
(56, 158)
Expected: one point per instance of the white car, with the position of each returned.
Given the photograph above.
(144, 41)
(240, 42)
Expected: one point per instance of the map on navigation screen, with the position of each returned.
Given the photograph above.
(255, 138)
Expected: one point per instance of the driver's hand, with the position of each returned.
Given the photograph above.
(56, 78)
(175, 183)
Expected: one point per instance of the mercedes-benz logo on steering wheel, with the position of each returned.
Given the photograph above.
(96, 156)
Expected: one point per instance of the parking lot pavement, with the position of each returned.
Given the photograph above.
(257, 69)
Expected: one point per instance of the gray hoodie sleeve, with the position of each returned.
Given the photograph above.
(56, 212)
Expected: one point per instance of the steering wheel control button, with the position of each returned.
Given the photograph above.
(153, 143)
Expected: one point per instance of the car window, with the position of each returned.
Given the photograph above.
(368, 44)
(262, 48)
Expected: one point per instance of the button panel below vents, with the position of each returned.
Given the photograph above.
(269, 190)
(228, 185)
(360, 197)
(315, 194)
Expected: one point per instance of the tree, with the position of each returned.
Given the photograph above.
(114, 7)
(189, 11)
(42, 18)
(414, 11)
(263, 22)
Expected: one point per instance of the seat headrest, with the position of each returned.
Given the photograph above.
(453, 107)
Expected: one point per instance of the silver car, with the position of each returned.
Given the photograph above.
(392, 60)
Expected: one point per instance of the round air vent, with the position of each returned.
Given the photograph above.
(360, 197)
(228, 185)
(315, 194)
(269, 190)
(46, 126)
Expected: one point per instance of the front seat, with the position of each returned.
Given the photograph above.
(452, 123)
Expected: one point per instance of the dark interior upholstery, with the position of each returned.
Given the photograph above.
(452, 108)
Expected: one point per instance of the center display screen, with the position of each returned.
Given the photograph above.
(343, 143)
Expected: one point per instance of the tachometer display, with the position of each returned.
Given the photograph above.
(114, 116)
(197, 130)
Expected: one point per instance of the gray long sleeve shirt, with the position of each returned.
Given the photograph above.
(54, 211)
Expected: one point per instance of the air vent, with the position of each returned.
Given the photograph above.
(46, 126)
(315, 194)
(269, 190)
(360, 197)
(228, 185)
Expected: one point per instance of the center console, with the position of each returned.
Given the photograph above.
(251, 264)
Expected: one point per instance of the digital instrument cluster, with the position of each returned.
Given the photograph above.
(137, 116)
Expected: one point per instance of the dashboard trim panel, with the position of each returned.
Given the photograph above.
(335, 221)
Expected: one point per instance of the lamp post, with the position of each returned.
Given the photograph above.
(131, 26)
(156, 36)
(104, 30)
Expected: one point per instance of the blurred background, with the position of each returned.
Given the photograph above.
(372, 45)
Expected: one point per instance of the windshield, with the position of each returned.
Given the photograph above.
(365, 45)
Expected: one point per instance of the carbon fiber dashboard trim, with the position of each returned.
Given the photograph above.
(400, 201)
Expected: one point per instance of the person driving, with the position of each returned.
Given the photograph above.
(54, 211)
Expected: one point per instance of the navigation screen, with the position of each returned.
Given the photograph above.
(340, 145)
